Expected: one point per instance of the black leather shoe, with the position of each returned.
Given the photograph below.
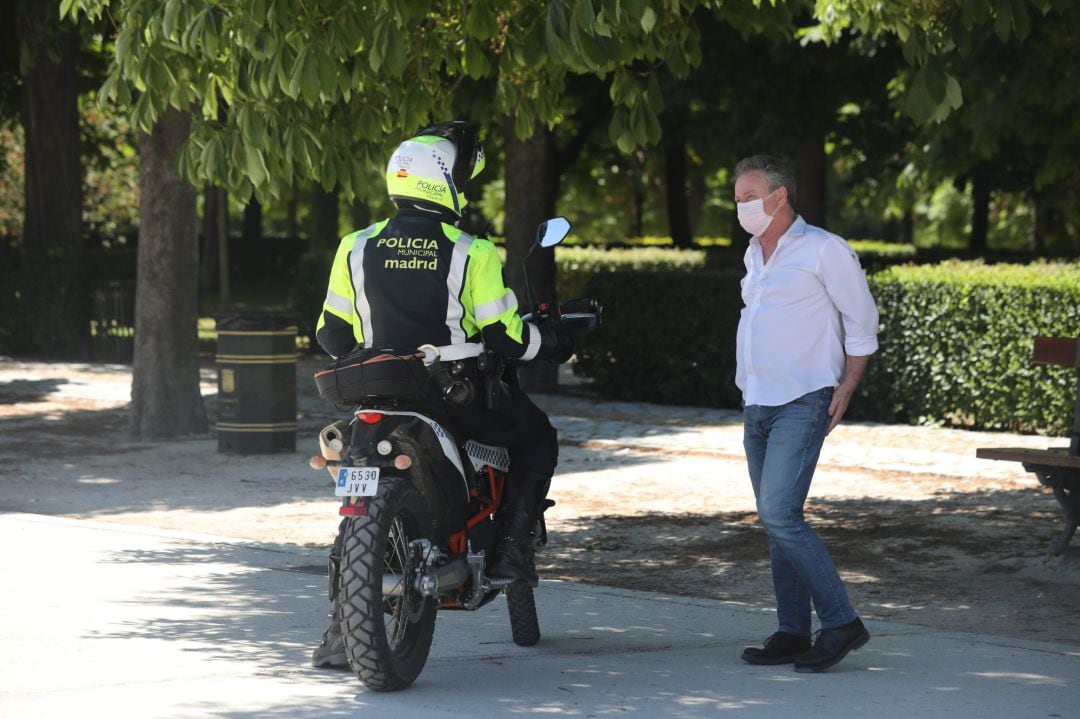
(780, 648)
(832, 645)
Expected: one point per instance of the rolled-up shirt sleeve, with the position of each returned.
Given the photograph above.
(845, 282)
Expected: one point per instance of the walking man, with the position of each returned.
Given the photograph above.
(805, 337)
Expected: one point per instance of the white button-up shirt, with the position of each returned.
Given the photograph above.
(804, 310)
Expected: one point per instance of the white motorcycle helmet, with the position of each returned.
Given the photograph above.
(432, 169)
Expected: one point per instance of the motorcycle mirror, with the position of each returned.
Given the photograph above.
(548, 234)
(552, 232)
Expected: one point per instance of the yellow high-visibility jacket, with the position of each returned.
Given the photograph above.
(413, 280)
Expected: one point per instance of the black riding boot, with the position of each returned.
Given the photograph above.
(514, 552)
(331, 651)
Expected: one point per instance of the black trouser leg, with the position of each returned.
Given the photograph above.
(334, 565)
(524, 429)
(521, 427)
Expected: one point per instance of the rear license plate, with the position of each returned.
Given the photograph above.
(357, 482)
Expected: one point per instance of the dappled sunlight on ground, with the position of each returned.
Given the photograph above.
(648, 497)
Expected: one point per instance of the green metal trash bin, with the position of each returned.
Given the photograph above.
(256, 362)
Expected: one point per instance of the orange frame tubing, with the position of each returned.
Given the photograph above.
(496, 482)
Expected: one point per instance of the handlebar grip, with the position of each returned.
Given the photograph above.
(581, 305)
(578, 323)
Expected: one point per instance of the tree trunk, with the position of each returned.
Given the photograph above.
(208, 249)
(323, 221)
(532, 183)
(50, 119)
(252, 231)
(980, 213)
(360, 214)
(675, 175)
(637, 196)
(907, 225)
(292, 209)
(1050, 232)
(52, 234)
(165, 397)
(810, 181)
(221, 223)
(696, 200)
(214, 252)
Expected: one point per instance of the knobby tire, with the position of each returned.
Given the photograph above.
(524, 625)
(387, 639)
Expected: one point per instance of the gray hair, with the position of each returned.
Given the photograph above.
(775, 172)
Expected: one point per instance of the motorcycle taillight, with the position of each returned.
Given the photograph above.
(359, 509)
(369, 417)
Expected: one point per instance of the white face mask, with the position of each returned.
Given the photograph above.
(752, 215)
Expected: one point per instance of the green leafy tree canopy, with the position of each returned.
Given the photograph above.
(288, 90)
(929, 30)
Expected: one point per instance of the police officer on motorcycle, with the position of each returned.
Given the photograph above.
(416, 279)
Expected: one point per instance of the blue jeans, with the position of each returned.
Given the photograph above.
(782, 447)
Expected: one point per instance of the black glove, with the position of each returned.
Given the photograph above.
(555, 345)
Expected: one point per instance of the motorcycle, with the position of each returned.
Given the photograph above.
(418, 502)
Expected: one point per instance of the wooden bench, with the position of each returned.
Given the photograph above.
(1057, 467)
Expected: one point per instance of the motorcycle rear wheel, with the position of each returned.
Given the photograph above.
(387, 638)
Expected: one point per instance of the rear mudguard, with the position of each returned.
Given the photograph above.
(444, 471)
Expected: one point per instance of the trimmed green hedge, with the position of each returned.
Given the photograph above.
(955, 336)
(956, 346)
(667, 337)
(576, 265)
(955, 342)
(576, 240)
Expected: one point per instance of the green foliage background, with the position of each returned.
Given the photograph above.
(667, 337)
(955, 337)
(955, 342)
(956, 345)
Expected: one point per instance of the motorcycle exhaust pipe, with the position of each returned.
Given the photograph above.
(334, 438)
(449, 576)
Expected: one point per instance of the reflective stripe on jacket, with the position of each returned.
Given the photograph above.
(415, 280)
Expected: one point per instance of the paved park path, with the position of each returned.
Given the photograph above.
(115, 621)
(114, 606)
